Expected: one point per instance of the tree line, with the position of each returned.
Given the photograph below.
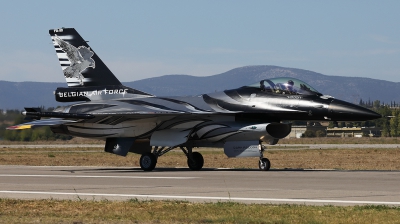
(390, 121)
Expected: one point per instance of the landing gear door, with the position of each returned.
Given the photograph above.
(242, 149)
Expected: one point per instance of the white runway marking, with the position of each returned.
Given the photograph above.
(81, 176)
(209, 198)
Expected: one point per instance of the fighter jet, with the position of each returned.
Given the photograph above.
(241, 121)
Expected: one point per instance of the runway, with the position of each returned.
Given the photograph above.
(269, 147)
(311, 187)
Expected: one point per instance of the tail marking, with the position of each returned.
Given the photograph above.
(80, 59)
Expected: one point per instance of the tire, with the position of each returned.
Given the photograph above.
(197, 162)
(148, 161)
(264, 164)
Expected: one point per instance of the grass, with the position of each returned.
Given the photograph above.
(342, 159)
(137, 211)
(335, 140)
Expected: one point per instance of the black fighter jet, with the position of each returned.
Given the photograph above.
(129, 120)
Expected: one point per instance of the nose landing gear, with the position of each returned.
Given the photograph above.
(264, 163)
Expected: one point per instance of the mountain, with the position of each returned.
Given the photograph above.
(351, 89)
(16, 95)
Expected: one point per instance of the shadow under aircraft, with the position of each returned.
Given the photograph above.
(241, 121)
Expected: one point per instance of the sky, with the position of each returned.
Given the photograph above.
(144, 39)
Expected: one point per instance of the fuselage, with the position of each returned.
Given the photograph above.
(240, 114)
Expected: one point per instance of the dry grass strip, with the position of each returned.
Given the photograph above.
(321, 140)
(345, 159)
(136, 211)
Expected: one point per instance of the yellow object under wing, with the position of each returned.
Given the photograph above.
(19, 127)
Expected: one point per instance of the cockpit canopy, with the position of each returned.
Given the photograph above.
(285, 85)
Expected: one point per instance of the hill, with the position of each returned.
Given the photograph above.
(16, 95)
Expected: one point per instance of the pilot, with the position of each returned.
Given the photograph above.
(289, 86)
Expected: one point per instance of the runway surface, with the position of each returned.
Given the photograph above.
(274, 147)
(316, 187)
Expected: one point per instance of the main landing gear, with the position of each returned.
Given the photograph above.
(195, 160)
(148, 161)
(264, 163)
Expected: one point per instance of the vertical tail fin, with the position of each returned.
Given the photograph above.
(80, 64)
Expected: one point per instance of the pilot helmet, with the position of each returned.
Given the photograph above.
(290, 82)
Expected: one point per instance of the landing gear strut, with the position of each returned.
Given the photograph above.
(148, 161)
(264, 163)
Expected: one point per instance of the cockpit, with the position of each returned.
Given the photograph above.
(284, 85)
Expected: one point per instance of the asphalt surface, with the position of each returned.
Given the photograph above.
(277, 146)
(311, 187)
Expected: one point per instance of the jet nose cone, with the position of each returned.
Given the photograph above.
(344, 111)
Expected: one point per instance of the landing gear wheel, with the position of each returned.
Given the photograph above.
(148, 161)
(197, 161)
(264, 164)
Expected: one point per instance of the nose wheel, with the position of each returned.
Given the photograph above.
(264, 164)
